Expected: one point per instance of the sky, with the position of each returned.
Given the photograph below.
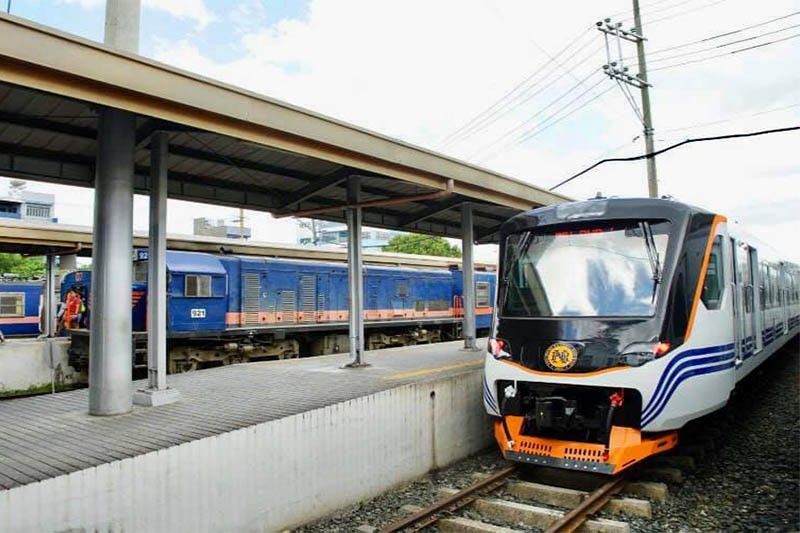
(419, 70)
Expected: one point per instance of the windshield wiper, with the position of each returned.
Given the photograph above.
(652, 255)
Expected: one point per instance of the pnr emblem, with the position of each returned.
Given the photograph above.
(560, 356)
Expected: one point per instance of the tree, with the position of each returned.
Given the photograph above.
(24, 267)
(412, 243)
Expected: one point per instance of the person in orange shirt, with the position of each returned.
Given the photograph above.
(72, 309)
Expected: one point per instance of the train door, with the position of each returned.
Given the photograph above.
(750, 269)
(400, 297)
(738, 308)
(745, 301)
(757, 297)
(323, 288)
(783, 284)
(372, 308)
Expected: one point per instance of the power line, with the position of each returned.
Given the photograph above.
(731, 119)
(672, 147)
(545, 124)
(526, 95)
(724, 34)
(737, 51)
(540, 111)
(685, 12)
(499, 102)
(723, 45)
(538, 130)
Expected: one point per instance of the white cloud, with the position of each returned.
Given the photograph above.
(418, 69)
(194, 10)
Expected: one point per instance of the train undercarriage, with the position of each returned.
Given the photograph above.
(192, 352)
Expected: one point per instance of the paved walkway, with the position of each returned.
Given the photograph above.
(48, 436)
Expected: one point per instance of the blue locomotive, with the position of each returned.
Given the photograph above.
(223, 309)
(20, 307)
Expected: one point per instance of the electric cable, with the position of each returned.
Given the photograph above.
(672, 147)
(737, 51)
(516, 88)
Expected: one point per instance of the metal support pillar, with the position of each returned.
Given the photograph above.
(110, 336)
(157, 392)
(49, 303)
(355, 275)
(468, 268)
(110, 346)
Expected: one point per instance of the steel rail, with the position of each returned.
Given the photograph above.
(460, 499)
(593, 503)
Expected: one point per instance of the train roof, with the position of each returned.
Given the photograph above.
(603, 209)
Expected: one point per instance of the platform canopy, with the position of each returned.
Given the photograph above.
(227, 146)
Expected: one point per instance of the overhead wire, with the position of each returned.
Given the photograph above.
(518, 87)
(523, 96)
(651, 53)
(546, 123)
(733, 52)
(672, 147)
(724, 45)
(529, 120)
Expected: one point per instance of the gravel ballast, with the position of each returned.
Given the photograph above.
(747, 476)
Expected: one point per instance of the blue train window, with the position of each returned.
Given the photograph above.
(197, 286)
(12, 304)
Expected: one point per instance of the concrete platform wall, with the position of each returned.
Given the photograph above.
(29, 364)
(270, 476)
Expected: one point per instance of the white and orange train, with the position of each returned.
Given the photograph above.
(620, 320)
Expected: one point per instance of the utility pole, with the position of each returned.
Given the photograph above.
(616, 70)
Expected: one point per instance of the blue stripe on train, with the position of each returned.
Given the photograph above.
(660, 387)
(675, 374)
(691, 373)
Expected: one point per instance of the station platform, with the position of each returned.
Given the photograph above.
(52, 435)
(49, 437)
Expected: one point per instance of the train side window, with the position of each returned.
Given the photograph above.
(482, 294)
(197, 286)
(715, 279)
(140, 272)
(12, 304)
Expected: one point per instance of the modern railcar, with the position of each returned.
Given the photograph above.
(223, 309)
(619, 321)
(20, 308)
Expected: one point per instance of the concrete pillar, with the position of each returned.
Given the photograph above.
(49, 301)
(157, 392)
(355, 274)
(110, 340)
(110, 347)
(122, 25)
(468, 268)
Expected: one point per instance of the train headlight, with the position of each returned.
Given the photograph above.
(639, 353)
(497, 347)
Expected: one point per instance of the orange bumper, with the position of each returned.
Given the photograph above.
(626, 447)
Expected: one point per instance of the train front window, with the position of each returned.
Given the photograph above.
(597, 271)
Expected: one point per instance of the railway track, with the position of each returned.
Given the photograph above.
(505, 498)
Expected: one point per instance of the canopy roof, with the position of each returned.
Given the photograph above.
(228, 146)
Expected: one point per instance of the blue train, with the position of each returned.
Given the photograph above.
(20, 307)
(223, 309)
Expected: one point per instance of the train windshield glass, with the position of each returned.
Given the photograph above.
(605, 270)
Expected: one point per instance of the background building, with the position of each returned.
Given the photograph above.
(218, 228)
(335, 234)
(20, 204)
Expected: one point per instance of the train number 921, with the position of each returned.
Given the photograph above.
(198, 313)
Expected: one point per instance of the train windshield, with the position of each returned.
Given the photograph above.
(585, 271)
